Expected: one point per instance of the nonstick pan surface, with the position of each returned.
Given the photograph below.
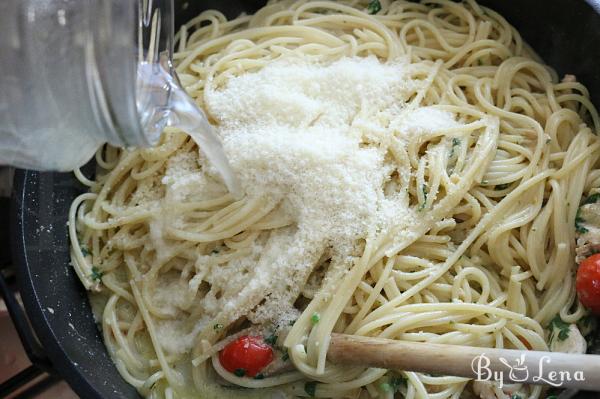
(566, 33)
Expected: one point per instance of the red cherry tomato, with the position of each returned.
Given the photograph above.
(246, 356)
(588, 283)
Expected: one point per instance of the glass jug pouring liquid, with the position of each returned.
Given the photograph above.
(77, 74)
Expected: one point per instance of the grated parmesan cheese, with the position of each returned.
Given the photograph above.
(313, 138)
(292, 131)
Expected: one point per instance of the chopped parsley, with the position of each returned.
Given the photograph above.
(393, 385)
(455, 143)
(315, 318)
(96, 274)
(385, 387)
(310, 388)
(259, 376)
(396, 382)
(271, 339)
(218, 326)
(515, 396)
(285, 356)
(561, 326)
(84, 250)
(374, 7)
(240, 372)
(291, 322)
(578, 221)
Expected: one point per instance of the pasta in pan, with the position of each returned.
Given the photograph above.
(412, 171)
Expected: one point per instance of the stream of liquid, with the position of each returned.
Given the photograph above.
(163, 102)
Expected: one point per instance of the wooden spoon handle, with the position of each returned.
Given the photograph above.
(507, 365)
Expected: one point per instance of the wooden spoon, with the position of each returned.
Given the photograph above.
(507, 365)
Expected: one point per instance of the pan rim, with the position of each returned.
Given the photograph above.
(54, 349)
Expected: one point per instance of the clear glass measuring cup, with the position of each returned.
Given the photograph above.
(68, 78)
(76, 74)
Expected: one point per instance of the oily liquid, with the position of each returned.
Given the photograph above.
(163, 102)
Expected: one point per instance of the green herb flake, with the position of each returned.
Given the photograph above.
(96, 274)
(396, 382)
(310, 388)
(374, 7)
(285, 357)
(218, 326)
(561, 326)
(315, 318)
(592, 199)
(424, 191)
(455, 143)
(259, 376)
(271, 339)
(385, 387)
(291, 322)
(84, 250)
(515, 396)
(240, 372)
(500, 187)
(578, 221)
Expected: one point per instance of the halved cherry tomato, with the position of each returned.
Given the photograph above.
(246, 356)
(588, 283)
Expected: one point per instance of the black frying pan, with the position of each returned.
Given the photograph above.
(566, 33)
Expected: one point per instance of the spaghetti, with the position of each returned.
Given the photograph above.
(476, 248)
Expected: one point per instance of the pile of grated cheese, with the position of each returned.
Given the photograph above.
(296, 131)
(314, 138)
